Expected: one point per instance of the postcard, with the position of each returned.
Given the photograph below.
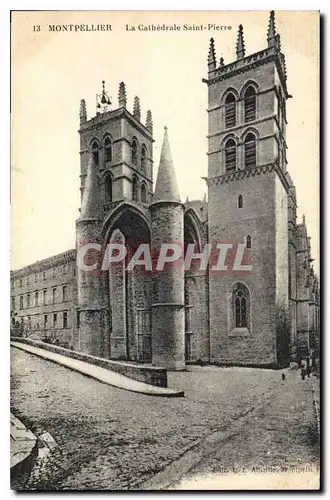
(165, 290)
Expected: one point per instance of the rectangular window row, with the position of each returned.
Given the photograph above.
(51, 273)
(54, 320)
(41, 298)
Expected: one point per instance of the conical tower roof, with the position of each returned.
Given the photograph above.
(166, 185)
(89, 205)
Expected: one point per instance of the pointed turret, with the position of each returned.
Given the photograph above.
(137, 108)
(90, 205)
(92, 307)
(167, 227)
(122, 100)
(273, 39)
(149, 123)
(211, 60)
(222, 62)
(240, 46)
(83, 111)
(271, 32)
(166, 185)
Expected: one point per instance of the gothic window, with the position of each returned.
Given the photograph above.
(241, 306)
(36, 299)
(28, 300)
(64, 289)
(107, 150)
(240, 201)
(135, 189)
(21, 302)
(143, 159)
(95, 152)
(54, 295)
(55, 320)
(45, 320)
(44, 297)
(250, 104)
(108, 188)
(248, 241)
(230, 155)
(250, 151)
(230, 111)
(65, 319)
(144, 193)
(134, 152)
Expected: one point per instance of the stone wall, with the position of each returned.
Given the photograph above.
(150, 375)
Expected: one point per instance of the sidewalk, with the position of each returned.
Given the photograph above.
(106, 376)
(23, 451)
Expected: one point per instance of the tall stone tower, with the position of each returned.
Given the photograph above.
(247, 192)
(168, 320)
(122, 148)
(115, 172)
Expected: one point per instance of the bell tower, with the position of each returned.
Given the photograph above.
(115, 166)
(121, 145)
(247, 192)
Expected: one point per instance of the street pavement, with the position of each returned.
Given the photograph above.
(106, 438)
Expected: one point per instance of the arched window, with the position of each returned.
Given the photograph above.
(108, 189)
(250, 104)
(241, 306)
(134, 152)
(143, 159)
(230, 155)
(250, 152)
(107, 150)
(230, 111)
(240, 201)
(144, 193)
(95, 152)
(135, 188)
(248, 241)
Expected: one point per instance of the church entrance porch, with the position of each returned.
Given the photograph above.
(129, 291)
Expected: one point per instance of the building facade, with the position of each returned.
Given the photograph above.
(185, 313)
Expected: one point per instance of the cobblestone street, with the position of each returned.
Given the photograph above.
(109, 438)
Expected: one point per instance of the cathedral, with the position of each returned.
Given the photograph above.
(181, 315)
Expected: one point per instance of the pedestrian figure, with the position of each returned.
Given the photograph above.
(283, 376)
(313, 361)
(303, 365)
(298, 359)
(308, 366)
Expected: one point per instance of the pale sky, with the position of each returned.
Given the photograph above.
(51, 72)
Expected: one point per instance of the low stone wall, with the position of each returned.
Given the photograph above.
(148, 374)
